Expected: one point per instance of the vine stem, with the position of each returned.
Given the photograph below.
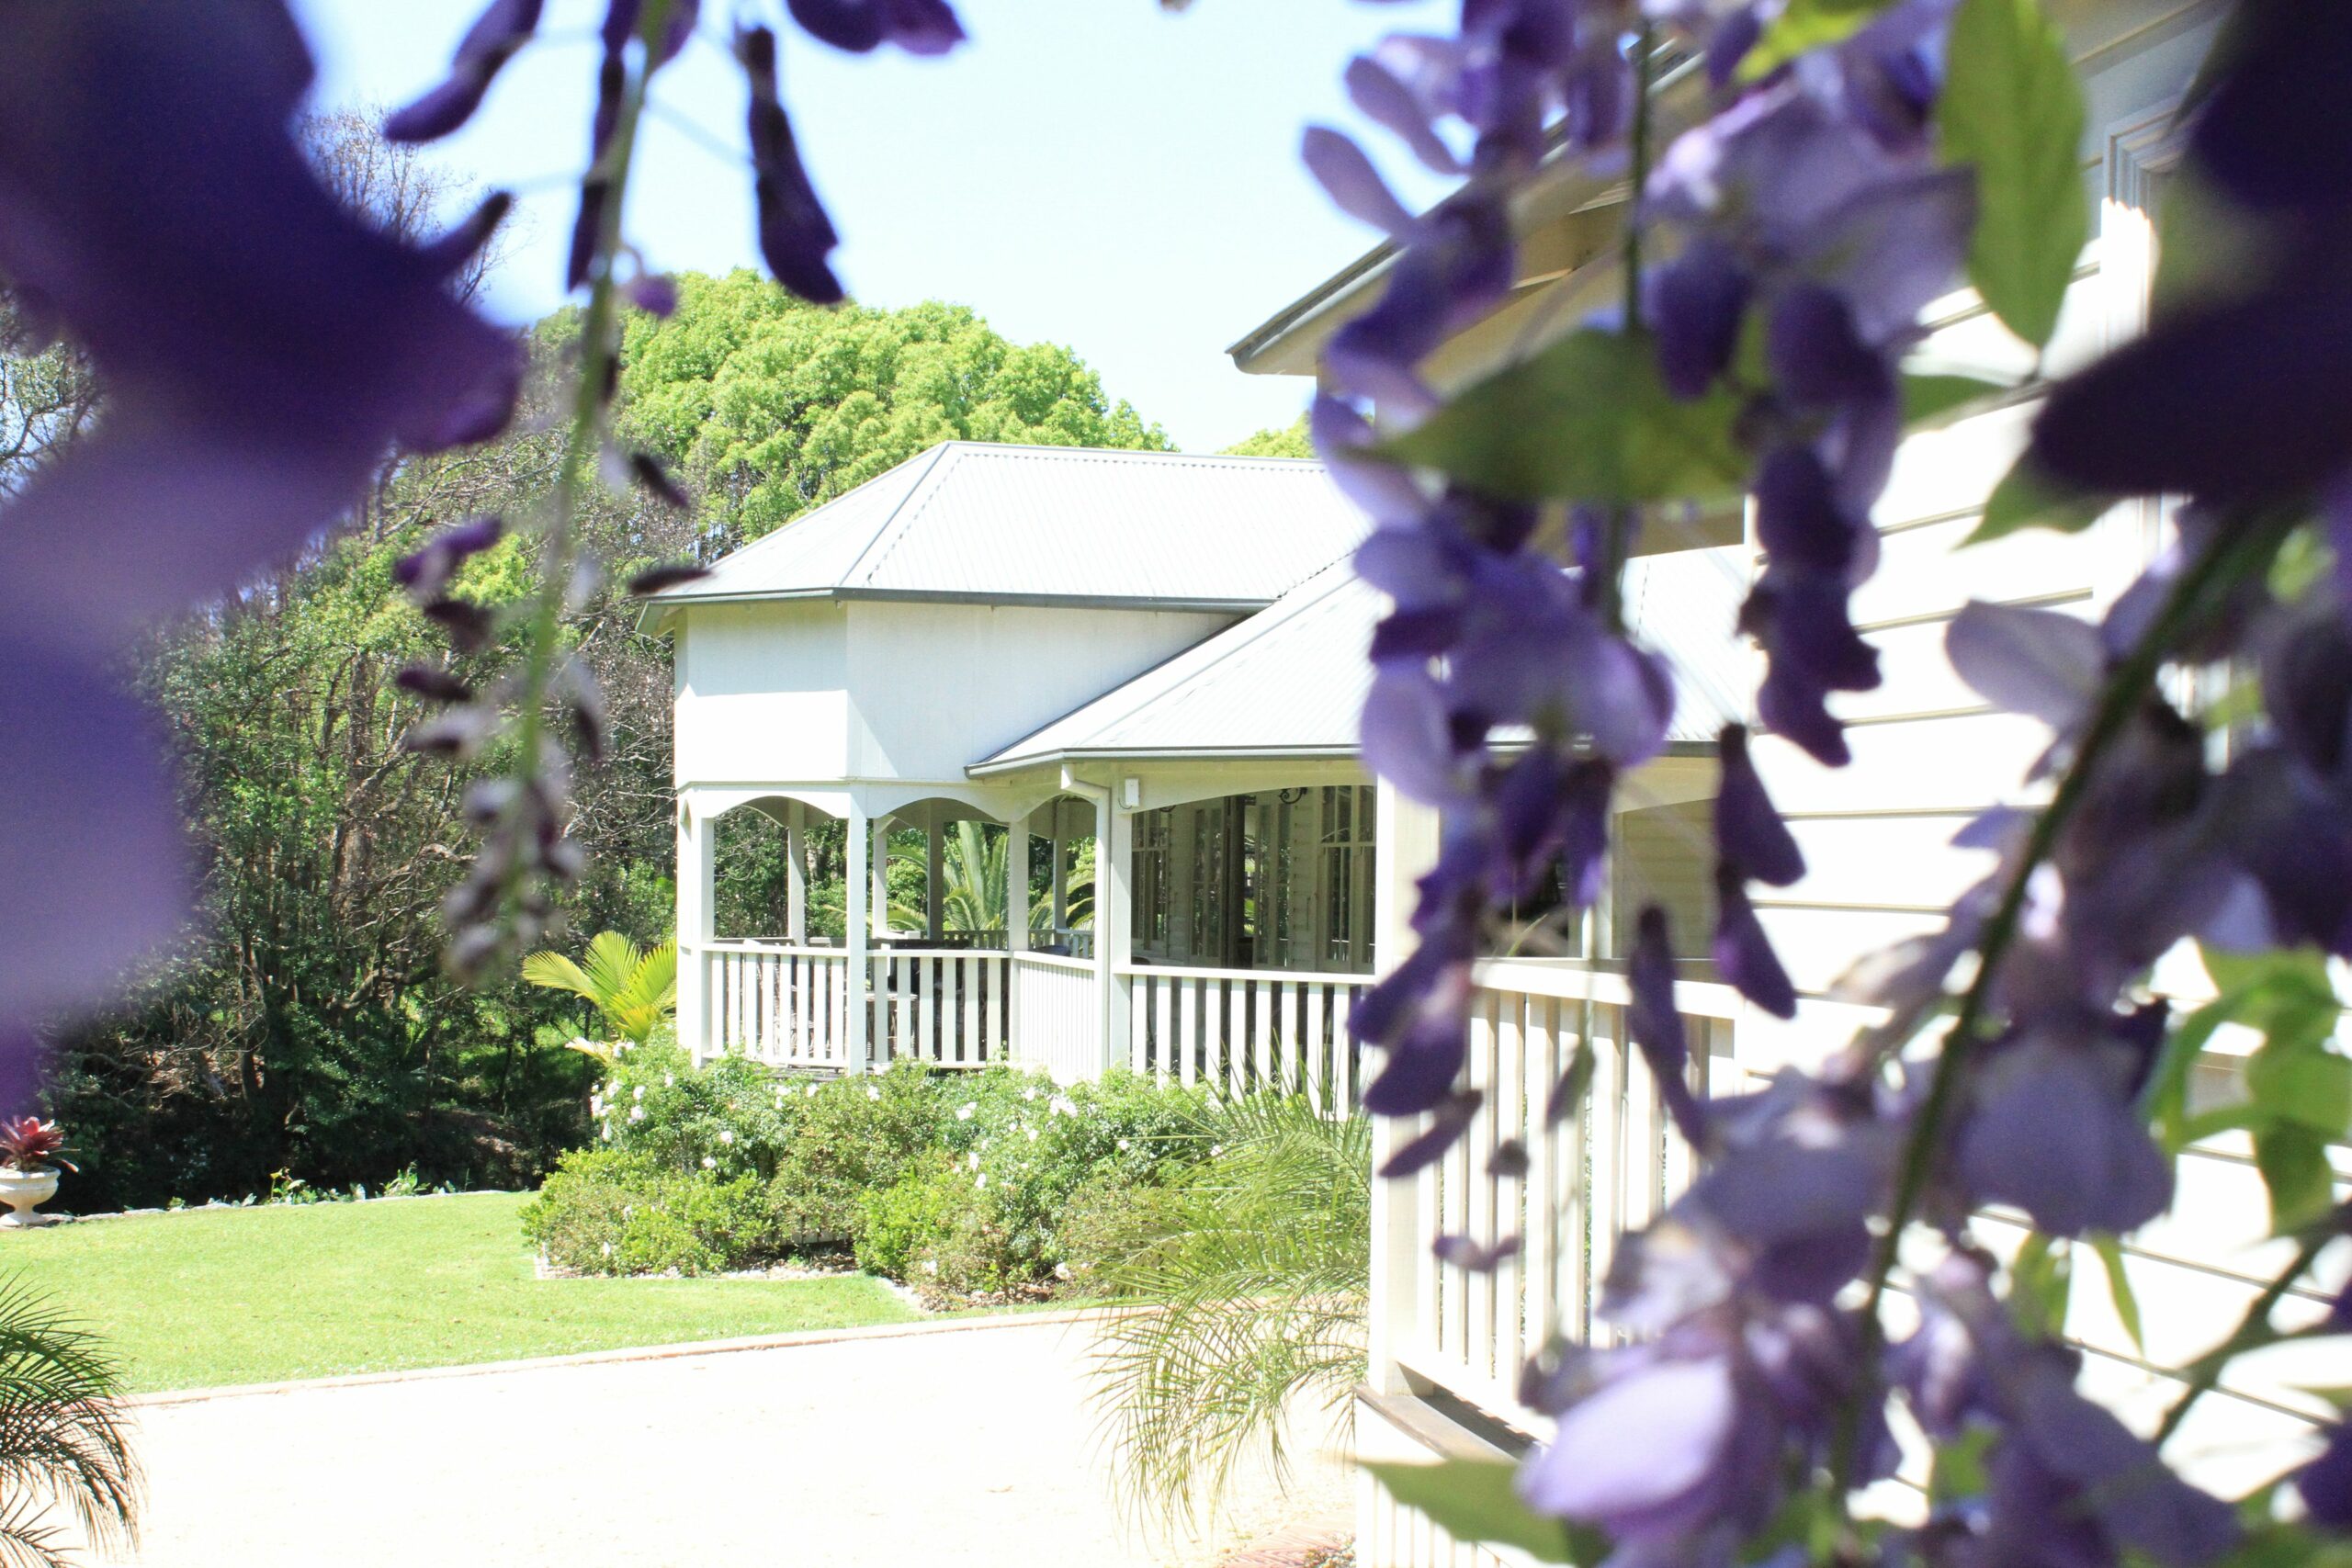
(585, 435)
(1621, 517)
(2248, 1332)
(2243, 546)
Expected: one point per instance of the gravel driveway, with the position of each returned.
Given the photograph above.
(946, 1446)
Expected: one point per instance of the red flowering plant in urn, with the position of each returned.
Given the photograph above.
(31, 1152)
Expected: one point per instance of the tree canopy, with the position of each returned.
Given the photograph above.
(1274, 441)
(768, 406)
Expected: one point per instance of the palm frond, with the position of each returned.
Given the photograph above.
(1257, 1280)
(611, 959)
(632, 990)
(62, 1436)
(557, 973)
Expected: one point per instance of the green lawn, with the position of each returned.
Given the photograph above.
(256, 1295)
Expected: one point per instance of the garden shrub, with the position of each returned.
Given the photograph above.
(985, 1184)
(852, 1136)
(623, 1212)
(732, 1112)
(898, 1223)
(1028, 1148)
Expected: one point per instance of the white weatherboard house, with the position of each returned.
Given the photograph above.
(1928, 756)
(1170, 648)
(1051, 640)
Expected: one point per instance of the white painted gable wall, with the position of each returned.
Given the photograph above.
(809, 691)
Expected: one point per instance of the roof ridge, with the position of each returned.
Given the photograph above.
(898, 519)
(1048, 448)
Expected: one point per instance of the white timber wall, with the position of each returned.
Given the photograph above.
(1928, 756)
(806, 691)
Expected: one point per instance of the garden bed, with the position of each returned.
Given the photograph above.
(994, 1187)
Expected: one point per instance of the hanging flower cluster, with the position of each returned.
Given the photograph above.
(264, 351)
(1828, 182)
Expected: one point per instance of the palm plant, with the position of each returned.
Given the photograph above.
(1254, 1276)
(63, 1437)
(632, 991)
(973, 890)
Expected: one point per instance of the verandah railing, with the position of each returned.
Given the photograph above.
(1588, 1180)
(1245, 1029)
(948, 1007)
(789, 1004)
(1058, 1015)
(774, 1002)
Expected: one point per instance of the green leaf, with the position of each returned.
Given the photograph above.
(1802, 26)
(2306, 1084)
(2297, 969)
(1959, 1470)
(2119, 1288)
(2012, 108)
(2041, 1282)
(2025, 499)
(2166, 1100)
(1478, 1500)
(1567, 1097)
(2293, 1159)
(1587, 419)
(1932, 401)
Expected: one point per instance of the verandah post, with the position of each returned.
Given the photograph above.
(856, 940)
(1016, 927)
(1406, 833)
(1115, 849)
(796, 861)
(697, 900)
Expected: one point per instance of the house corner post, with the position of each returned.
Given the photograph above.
(855, 938)
(1114, 924)
(1016, 884)
(1016, 927)
(696, 890)
(796, 862)
(877, 864)
(1408, 835)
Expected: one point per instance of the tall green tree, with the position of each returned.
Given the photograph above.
(1275, 441)
(770, 406)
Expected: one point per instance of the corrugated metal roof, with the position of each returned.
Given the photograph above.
(972, 520)
(1291, 679)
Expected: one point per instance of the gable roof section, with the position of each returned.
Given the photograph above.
(1289, 682)
(976, 523)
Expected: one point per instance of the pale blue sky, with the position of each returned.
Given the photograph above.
(1095, 173)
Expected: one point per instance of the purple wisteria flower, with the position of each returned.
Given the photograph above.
(2272, 418)
(1813, 204)
(262, 351)
(497, 35)
(2069, 1487)
(1681, 1446)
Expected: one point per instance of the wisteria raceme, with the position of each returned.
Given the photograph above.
(1793, 237)
(163, 241)
(494, 38)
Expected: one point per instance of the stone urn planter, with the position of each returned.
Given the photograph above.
(23, 1191)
